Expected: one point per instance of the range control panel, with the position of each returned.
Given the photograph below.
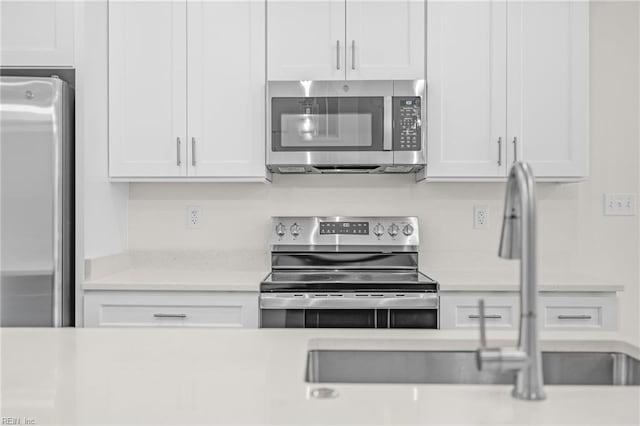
(343, 230)
(407, 127)
(359, 228)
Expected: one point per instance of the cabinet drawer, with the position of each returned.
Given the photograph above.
(461, 311)
(581, 312)
(171, 309)
(172, 316)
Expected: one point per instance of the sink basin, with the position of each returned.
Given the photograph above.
(459, 367)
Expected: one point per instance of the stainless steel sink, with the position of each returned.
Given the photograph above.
(458, 367)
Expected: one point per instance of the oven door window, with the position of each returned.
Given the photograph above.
(327, 124)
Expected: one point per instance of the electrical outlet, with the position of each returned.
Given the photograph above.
(194, 217)
(619, 204)
(480, 217)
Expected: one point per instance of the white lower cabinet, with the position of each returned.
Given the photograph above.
(460, 310)
(557, 311)
(170, 309)
(595, 311)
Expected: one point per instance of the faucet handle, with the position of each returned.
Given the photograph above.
(483, 324)
(496, 359)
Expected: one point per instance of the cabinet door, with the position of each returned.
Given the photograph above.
(466, 85)
(37, 33)
(305, 40)
(147, 89)
(385, 39)
(547, 68)
(226, 98)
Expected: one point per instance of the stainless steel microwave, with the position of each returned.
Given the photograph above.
(346, 126)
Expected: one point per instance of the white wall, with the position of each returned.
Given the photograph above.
(105, 204)
(610, 244)
(574, 235)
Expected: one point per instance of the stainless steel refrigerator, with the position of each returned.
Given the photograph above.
(36, 202)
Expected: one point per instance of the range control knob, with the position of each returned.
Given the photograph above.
(295, 229)
(393, 230)
(378, 230)
(281, 229)
(407, 230)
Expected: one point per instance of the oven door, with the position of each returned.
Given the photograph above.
(349, 310)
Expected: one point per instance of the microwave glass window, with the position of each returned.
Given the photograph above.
(327, 124)
(304, 130)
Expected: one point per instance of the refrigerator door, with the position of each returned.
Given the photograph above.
(33, 132)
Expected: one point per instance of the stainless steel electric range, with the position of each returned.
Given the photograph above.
(347, 272)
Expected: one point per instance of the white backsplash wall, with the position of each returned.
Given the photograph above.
(236, 216)
(574, 235)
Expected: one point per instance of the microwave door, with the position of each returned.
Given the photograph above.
(328, 124)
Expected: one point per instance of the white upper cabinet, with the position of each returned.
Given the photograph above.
(226, 98)
(466, 75)
(506, 81)
(306, 40)
(385, 40)
(147, 89)
(186, 90)
(37, 33)
(345, 39)
(548, 65)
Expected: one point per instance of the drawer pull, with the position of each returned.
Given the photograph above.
(574, 317)
(169, 315)
(493, 316)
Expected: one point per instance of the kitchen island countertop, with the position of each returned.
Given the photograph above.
(243, 376)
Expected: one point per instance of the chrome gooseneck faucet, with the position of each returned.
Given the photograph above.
(518, 241)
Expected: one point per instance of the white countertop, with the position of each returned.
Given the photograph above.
(178, 271)
(556, 281)
(243, 271)
(237, 279)
(241, 376)
(159, 279)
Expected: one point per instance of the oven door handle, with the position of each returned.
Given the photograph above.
(349, 301)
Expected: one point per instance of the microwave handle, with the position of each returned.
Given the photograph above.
(387, 137)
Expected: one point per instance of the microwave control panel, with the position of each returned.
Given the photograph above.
(407, 126)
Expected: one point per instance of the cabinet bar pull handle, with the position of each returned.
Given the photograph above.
(574, 317)
(492, 316)
(193, 151)
(353, 54)
(515, 149)
(500, 151)
(178, 156)
(338, 54)
(169, 315)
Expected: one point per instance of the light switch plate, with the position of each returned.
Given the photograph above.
(619, 204)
